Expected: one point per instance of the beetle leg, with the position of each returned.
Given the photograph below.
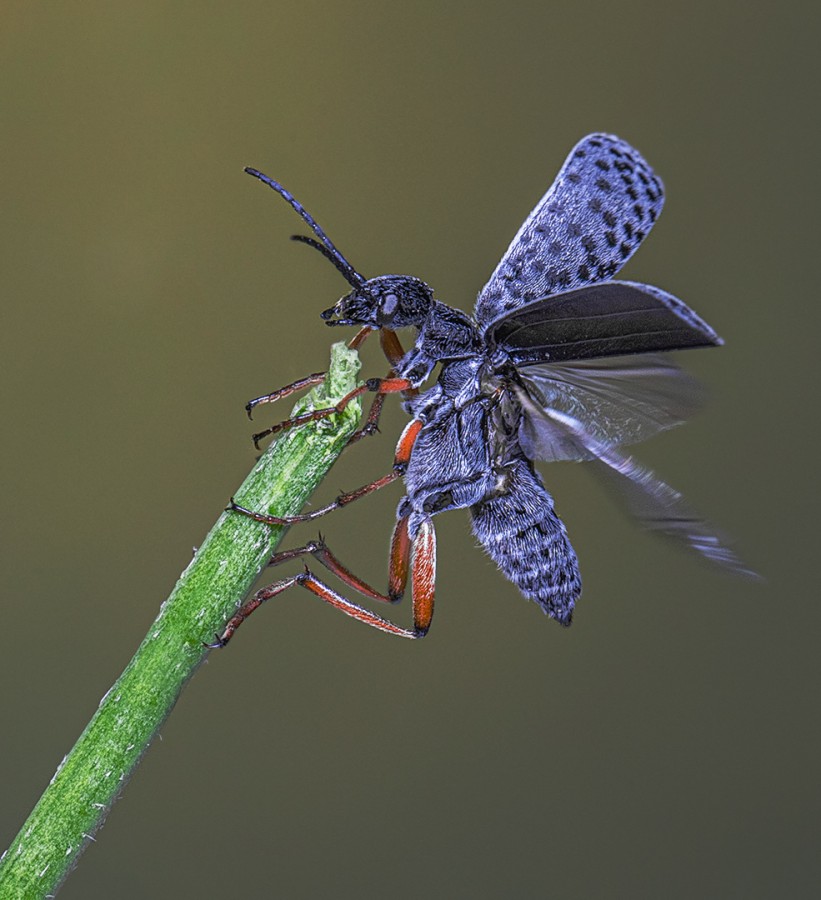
(309, 380)
(359, 338)
(298, 385)
(393, 352)
(391, 346)
(389, 385)
(423, 568)
(322, 554)
(400, 556)
(403, 453)
(338, 503)
(371, 426)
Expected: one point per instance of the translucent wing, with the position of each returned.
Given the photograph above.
(656, 505)
(603, 202)
(608, 319)
(618, 400)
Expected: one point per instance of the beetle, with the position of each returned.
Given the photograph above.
(559, 361)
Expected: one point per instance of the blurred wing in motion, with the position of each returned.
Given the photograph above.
(656, 505)
(601, 206)
(617, 400)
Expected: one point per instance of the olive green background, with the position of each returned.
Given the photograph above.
(667, 744)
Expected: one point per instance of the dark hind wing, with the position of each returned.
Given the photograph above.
(609, 319)
(602, 204)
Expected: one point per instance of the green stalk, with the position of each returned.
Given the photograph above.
(221, 573)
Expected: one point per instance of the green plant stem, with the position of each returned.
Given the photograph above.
(221, 573)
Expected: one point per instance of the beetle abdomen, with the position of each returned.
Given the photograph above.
(522, 534)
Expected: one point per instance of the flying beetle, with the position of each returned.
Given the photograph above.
(559, 361)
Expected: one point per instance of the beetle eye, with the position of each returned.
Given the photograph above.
(389, 304)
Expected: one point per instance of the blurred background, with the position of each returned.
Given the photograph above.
(668, 743)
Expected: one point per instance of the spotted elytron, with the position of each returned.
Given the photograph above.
(558, 362)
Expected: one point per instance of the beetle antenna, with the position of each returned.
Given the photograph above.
(352, 279)
(352, 276)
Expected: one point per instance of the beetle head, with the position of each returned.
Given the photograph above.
(388, 301)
